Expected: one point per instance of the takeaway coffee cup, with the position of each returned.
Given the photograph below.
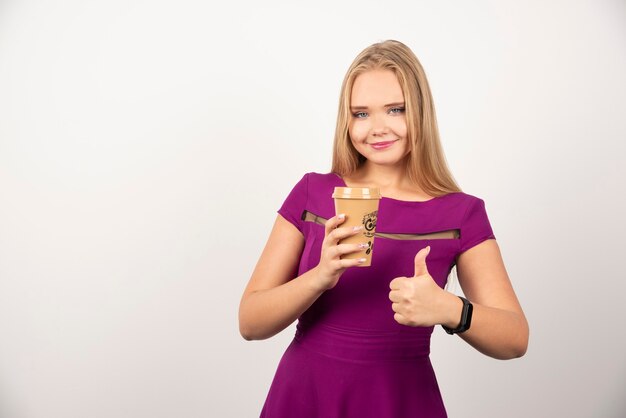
(360, 205)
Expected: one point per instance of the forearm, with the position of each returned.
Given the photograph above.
(495, 332)
(264, 313)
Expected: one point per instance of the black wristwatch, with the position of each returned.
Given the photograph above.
(466, 318)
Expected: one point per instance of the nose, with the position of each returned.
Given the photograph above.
(379, 125)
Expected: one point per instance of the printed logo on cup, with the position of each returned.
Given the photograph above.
(369, 223)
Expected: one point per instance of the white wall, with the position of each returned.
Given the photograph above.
(146, 145)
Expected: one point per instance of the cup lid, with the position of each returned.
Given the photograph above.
(356, 193)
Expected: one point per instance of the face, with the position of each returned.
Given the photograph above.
(378, 124)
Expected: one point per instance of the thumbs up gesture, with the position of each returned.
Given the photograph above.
(418, 300)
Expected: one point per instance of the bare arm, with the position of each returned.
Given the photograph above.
(499, 328)
(273, 299)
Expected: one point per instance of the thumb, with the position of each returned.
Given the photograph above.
(420, 261)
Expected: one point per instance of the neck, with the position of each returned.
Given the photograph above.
(384, 176)
(391, 180)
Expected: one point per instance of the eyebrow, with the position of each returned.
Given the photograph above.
(387, 105)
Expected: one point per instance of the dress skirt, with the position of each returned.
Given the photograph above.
(328, 372)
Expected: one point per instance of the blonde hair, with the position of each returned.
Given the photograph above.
(426, 164)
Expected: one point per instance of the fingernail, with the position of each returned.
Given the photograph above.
(341, 215)
(364, 245)
(357, 228)
(362, 260)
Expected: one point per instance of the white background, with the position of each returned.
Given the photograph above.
(145, 147)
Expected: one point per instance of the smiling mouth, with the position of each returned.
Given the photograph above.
(382, 144)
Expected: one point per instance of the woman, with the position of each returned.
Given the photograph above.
(363, 335)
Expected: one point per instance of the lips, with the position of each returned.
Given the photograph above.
(382, 145)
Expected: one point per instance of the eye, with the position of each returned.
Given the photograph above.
(359, 115)
(396, 110)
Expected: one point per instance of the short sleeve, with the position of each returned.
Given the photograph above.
(475, 227)
(295, 203)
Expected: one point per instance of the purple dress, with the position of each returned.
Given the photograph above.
(349, 357)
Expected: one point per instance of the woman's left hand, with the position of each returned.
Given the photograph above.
(419, 301)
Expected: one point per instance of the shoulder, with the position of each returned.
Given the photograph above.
(462, 208)
(318, 189)
(471, 203)
(312, 185)
(462, 197)
(323, 178)
(460, 202)
(475, 225)
(313, 181)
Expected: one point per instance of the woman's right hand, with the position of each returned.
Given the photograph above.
(331, 266)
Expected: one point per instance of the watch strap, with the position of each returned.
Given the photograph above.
(466, 318)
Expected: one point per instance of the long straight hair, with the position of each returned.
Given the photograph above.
(426, 164)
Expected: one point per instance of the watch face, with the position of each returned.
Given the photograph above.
(466, 318)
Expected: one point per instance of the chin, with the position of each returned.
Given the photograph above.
(385, 161)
